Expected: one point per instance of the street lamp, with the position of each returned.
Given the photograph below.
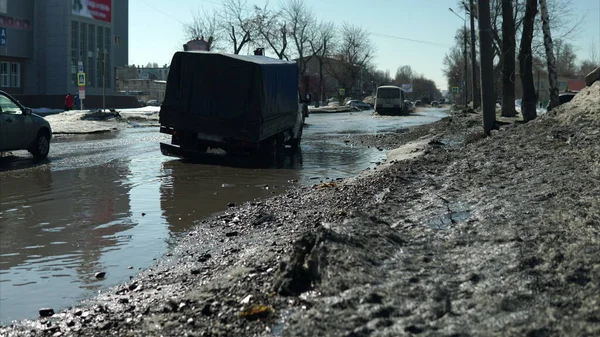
(464, 52)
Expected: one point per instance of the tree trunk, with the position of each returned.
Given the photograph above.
(476, 92)
(508, 59)
(488, 101)
(529, 100)
(552, 77)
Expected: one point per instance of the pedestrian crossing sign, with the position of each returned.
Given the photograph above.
(81, 79)
(455, 90)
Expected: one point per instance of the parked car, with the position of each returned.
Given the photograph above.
(435, 104)
(563, 98)
(153, 102)
(359, 104)
(21, 129)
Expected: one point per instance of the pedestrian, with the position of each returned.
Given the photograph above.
(69, 102)
(77, 102)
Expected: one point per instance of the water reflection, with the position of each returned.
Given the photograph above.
(56, 224)
(192, 191)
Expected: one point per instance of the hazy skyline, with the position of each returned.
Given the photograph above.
(156, 29)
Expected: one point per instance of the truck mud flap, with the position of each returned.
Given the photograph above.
(176, 151)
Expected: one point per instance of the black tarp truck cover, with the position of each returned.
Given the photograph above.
(243, 97)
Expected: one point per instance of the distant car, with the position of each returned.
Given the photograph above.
(141, 102)
(435, 104)
(153, 102)
(359, 104)
(563, 98)
(21, 129)
(418, 103)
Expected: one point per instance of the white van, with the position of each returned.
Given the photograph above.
(390, 101)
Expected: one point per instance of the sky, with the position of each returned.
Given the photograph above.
(156, 29)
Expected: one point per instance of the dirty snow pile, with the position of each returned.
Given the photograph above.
(81, 122)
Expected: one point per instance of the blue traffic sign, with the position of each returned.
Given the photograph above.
(2, 36)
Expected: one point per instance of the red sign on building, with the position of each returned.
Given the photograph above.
(94, 9)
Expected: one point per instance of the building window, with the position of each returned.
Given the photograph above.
(82, 44)
(4, 74)
(107, 66)
(74, 51)
(15, 75)
(91, 71)
(99, 55)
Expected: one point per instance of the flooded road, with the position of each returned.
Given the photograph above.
(113, 203)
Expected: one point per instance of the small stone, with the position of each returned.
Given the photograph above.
(206, 310)
(204, 257)
(106, 325)
(190, 321)
(130, 267)
(133, 286)
(195, 271)
(143, 214)
(46, 312)
(123, 300)
(100, 274)
(71, 323)
(231, 234)
(246, 299)
(231, 204)
(52, 330)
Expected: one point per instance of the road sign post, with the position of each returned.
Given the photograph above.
(2, 36)
(81, 83)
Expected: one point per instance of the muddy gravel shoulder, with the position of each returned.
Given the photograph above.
(476, 236)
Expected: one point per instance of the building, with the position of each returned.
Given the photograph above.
(42, 42)
(143, 89)
(542, 85)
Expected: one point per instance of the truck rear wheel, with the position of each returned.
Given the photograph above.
(270, 150)
(295, 143)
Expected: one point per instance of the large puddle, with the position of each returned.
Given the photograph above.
(120, 204)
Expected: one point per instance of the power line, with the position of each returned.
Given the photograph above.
(161, 11)
(413, 40)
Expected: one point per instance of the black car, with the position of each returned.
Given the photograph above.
(563, 98)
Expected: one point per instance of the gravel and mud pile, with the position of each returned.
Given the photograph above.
(479, 236)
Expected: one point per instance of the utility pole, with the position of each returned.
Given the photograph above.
(104, 80)
(487, 67)
(473, 57)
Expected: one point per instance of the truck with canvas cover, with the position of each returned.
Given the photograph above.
(237, 103)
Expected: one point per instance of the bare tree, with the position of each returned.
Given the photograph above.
(322, 46)
(529, 100)
(272, 30)
(205, 26)
(404, 75)
(353, 53)
(507, 59)
(551, 62)
(237, 24)
(301, 29)
(564, 55)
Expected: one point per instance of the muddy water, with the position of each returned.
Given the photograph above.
(113, 203)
